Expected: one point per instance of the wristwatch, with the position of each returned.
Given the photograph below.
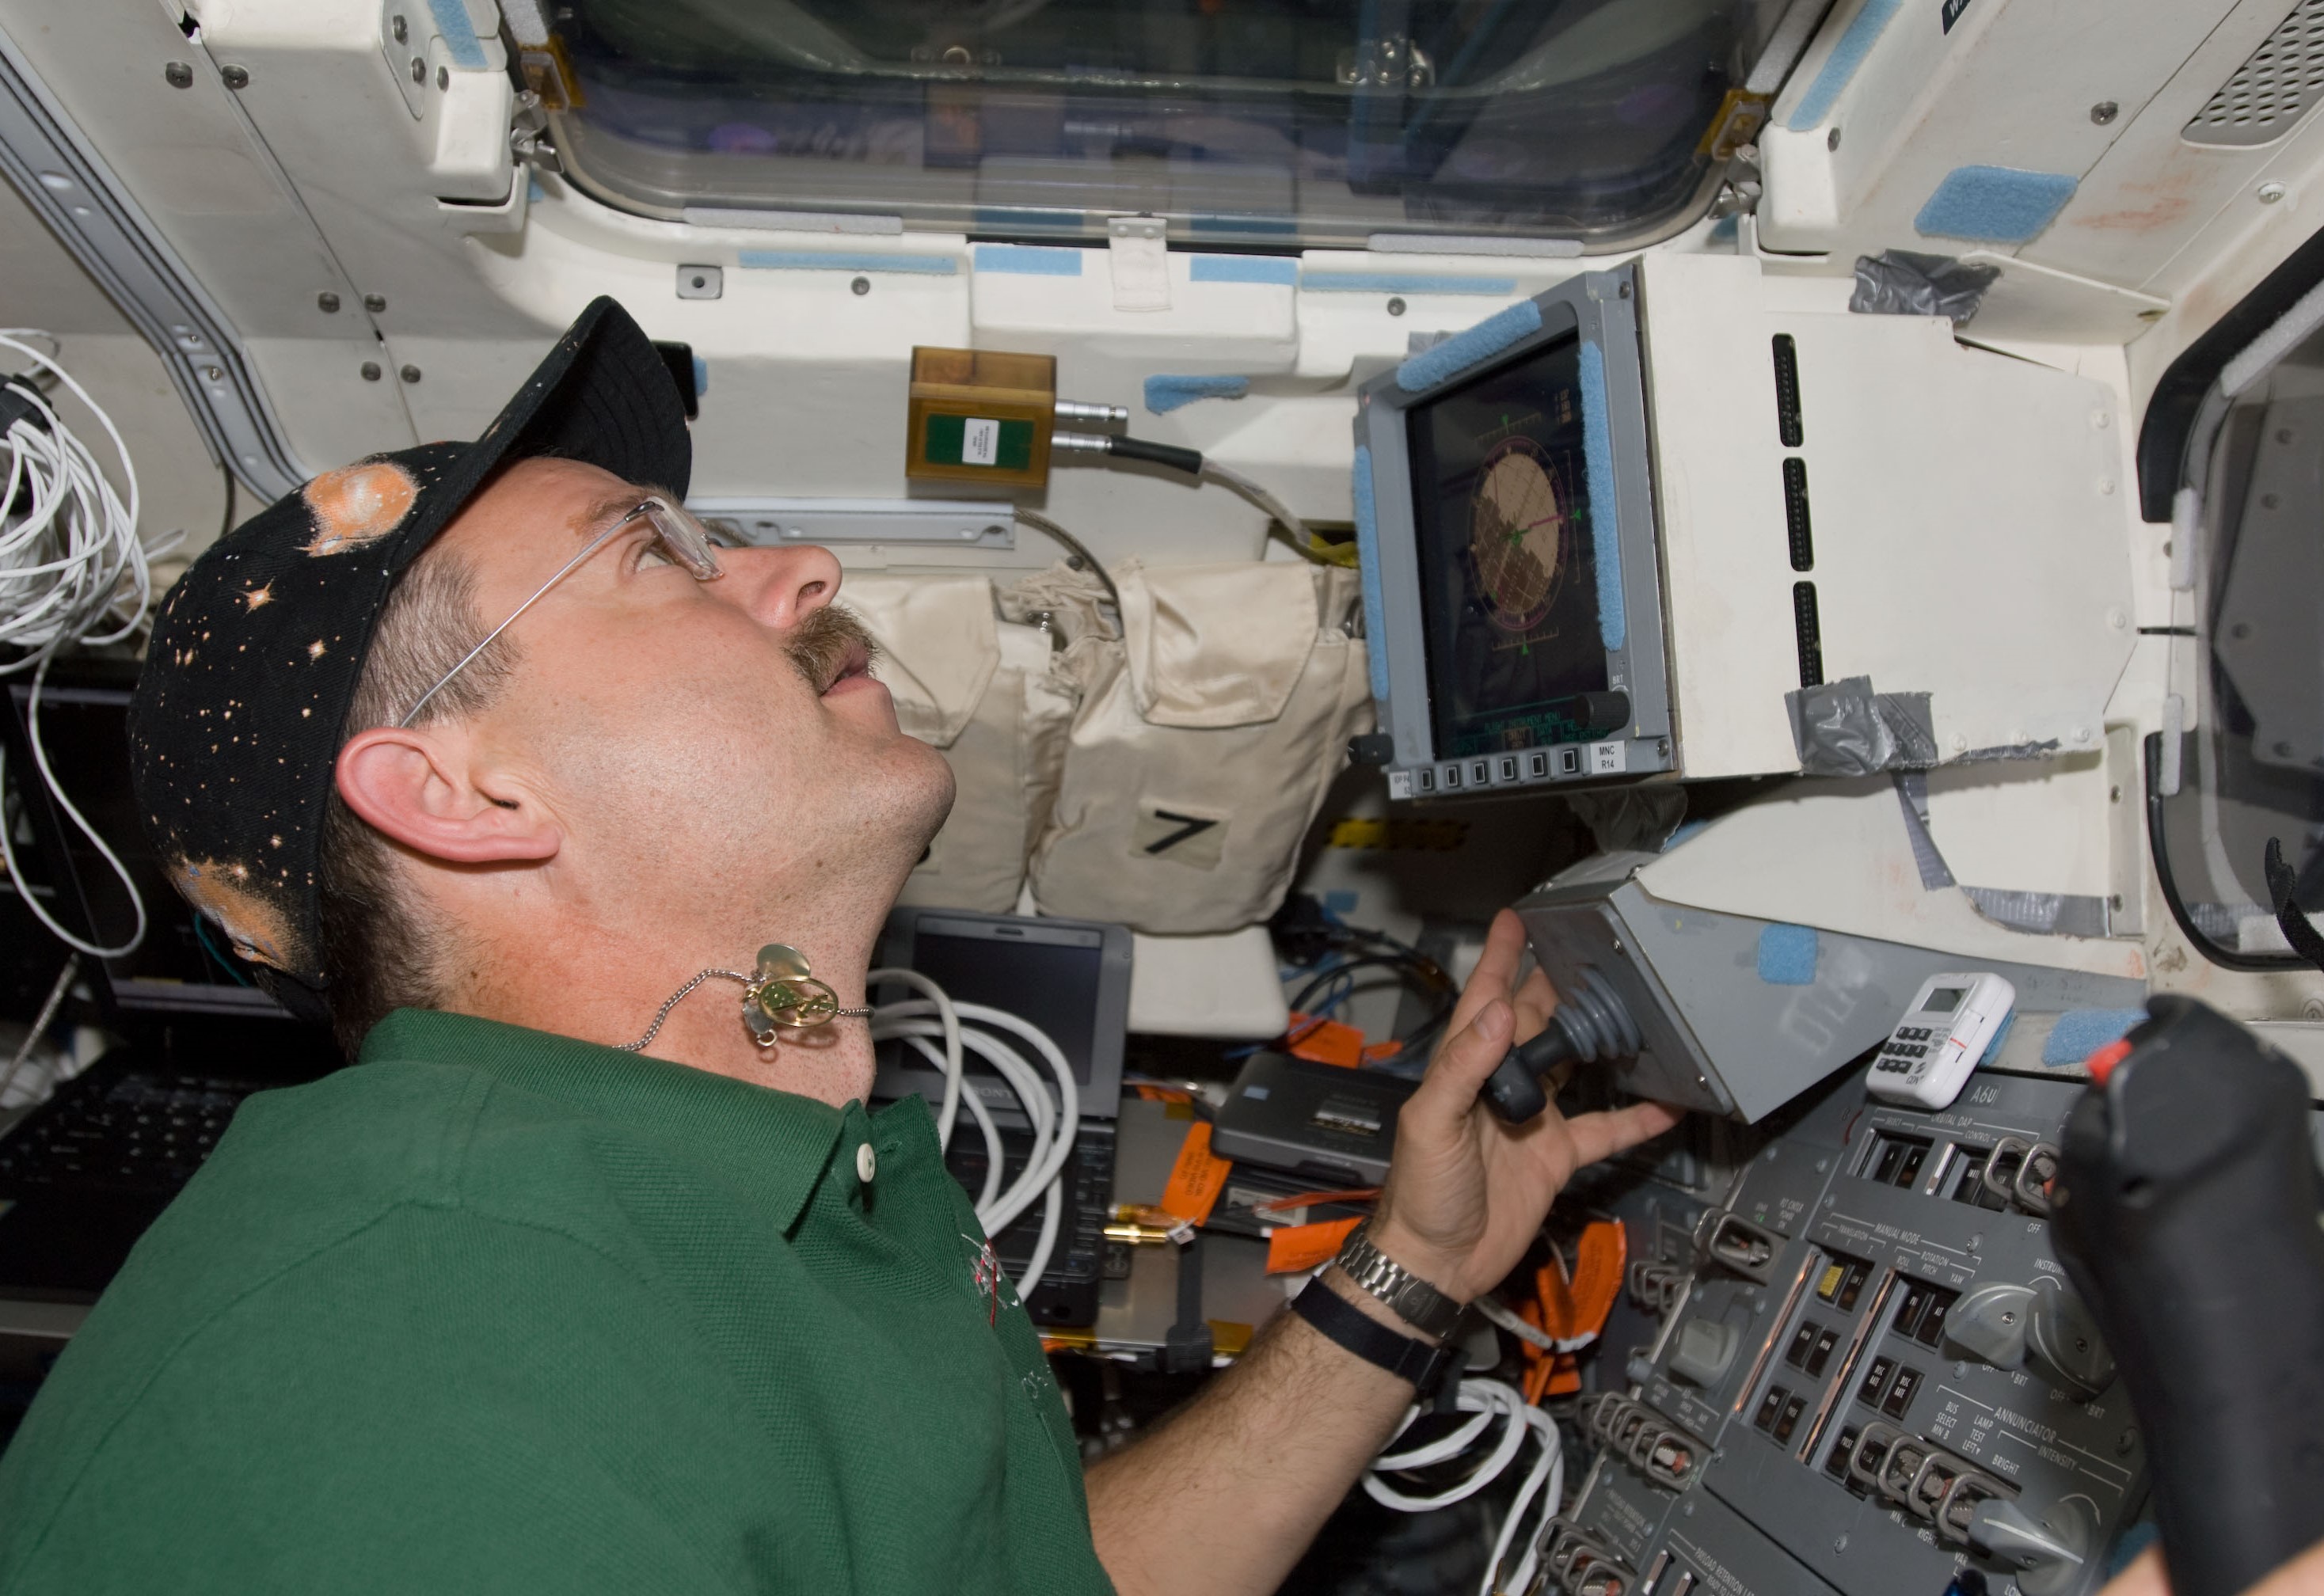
(1405, 1294)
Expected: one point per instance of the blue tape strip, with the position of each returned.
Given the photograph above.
(1847, 56)
(701, 376)
(1165, 395)
(2000, 1035)
(1242, 269)
(1023, 260)
(1270, 226)
(814, 260)
(459, 34)
(1994, 204)
(1457, 353)
(1004, 218)
(1402, 282)
(1787, 955)
(1367, 565)
(1598, 467)
(2082, 1032)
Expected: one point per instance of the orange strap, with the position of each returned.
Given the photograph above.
(1297, 1247)
(1198, 1176)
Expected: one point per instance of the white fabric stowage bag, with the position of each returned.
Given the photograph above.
(979, 689)
(1206, 738)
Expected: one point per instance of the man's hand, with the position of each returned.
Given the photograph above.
(1466, 1194)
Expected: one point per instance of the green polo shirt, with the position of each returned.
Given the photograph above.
(495, 1310)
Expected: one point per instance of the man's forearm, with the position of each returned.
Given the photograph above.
(1227, 1493)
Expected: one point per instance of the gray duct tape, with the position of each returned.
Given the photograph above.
(1844, 728)
(2049, 914)
(1913, 793)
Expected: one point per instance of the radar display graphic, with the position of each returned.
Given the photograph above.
(1518, 524)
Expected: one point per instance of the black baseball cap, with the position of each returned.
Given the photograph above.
(241, 708)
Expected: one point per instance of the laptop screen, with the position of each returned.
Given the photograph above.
(1068, 978)
(182, 964)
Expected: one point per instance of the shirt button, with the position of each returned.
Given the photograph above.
(867, 1163)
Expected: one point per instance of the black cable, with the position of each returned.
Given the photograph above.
(1361, 962)
(1189, 461)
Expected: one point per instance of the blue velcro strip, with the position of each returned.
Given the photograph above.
(459, 33)
(1847, 56)
(1787, 956)
(1025, 259)
(2084, 1031)
(1165, 395)
(1994, 204)
(1457, 353)
(1402, 282)
(1368, 566)
(817, 260)
(1598, 468)
(1244, 269)
(701, 376)
(2000, 1035)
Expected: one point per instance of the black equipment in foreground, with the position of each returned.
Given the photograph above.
(2187, 1206)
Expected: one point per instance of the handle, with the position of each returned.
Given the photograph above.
(1513, 1091)
(2186, 1207)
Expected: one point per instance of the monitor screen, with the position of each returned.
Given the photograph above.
(1050, 982)
(182, 962)
(1508, 582)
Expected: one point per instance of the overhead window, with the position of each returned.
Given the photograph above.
(1264, 122)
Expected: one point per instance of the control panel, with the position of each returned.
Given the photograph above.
(1871, 1374)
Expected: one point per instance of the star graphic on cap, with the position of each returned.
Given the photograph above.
(258, 597)
(315, 649)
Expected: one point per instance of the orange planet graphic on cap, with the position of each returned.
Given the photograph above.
(358, 504)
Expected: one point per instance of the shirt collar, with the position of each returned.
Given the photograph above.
(776, 1144)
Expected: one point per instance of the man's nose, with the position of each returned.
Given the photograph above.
(782, 586)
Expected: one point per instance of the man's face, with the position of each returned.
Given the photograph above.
(708, 748)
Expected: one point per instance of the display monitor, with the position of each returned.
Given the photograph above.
(1505, 510)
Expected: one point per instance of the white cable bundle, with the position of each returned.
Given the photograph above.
(1488, 1402)
(71, 564)
(924, 1023)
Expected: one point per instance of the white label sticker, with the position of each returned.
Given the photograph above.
(1399, 784)
(1608, 759)
(980, 442)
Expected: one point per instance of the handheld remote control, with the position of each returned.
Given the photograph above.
(1928, 1058)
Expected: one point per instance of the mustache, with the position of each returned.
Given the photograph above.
(824, 645)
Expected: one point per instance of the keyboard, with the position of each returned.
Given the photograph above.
(145, 1134)
(1068, 1291)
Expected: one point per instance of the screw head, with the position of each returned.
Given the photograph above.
(215, 373)
(399, 29)
(374, 303)
(235, 77)
(419, 70)
(178, 74)
(371, 371)
(860, 287)
(2269, 193)
(1395, 306)
(443, 78)
(327, 302)
(2104, 112)
(1831, 139)
(410, 374)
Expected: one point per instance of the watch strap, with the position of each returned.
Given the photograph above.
(1349, 1327)
(1404, 1293)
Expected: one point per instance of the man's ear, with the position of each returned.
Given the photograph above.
(424, 792)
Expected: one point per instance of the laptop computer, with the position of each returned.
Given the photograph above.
(1072, 979)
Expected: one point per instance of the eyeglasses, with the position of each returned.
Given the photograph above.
(683, 539)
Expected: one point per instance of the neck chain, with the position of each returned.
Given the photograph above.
(781, 996)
